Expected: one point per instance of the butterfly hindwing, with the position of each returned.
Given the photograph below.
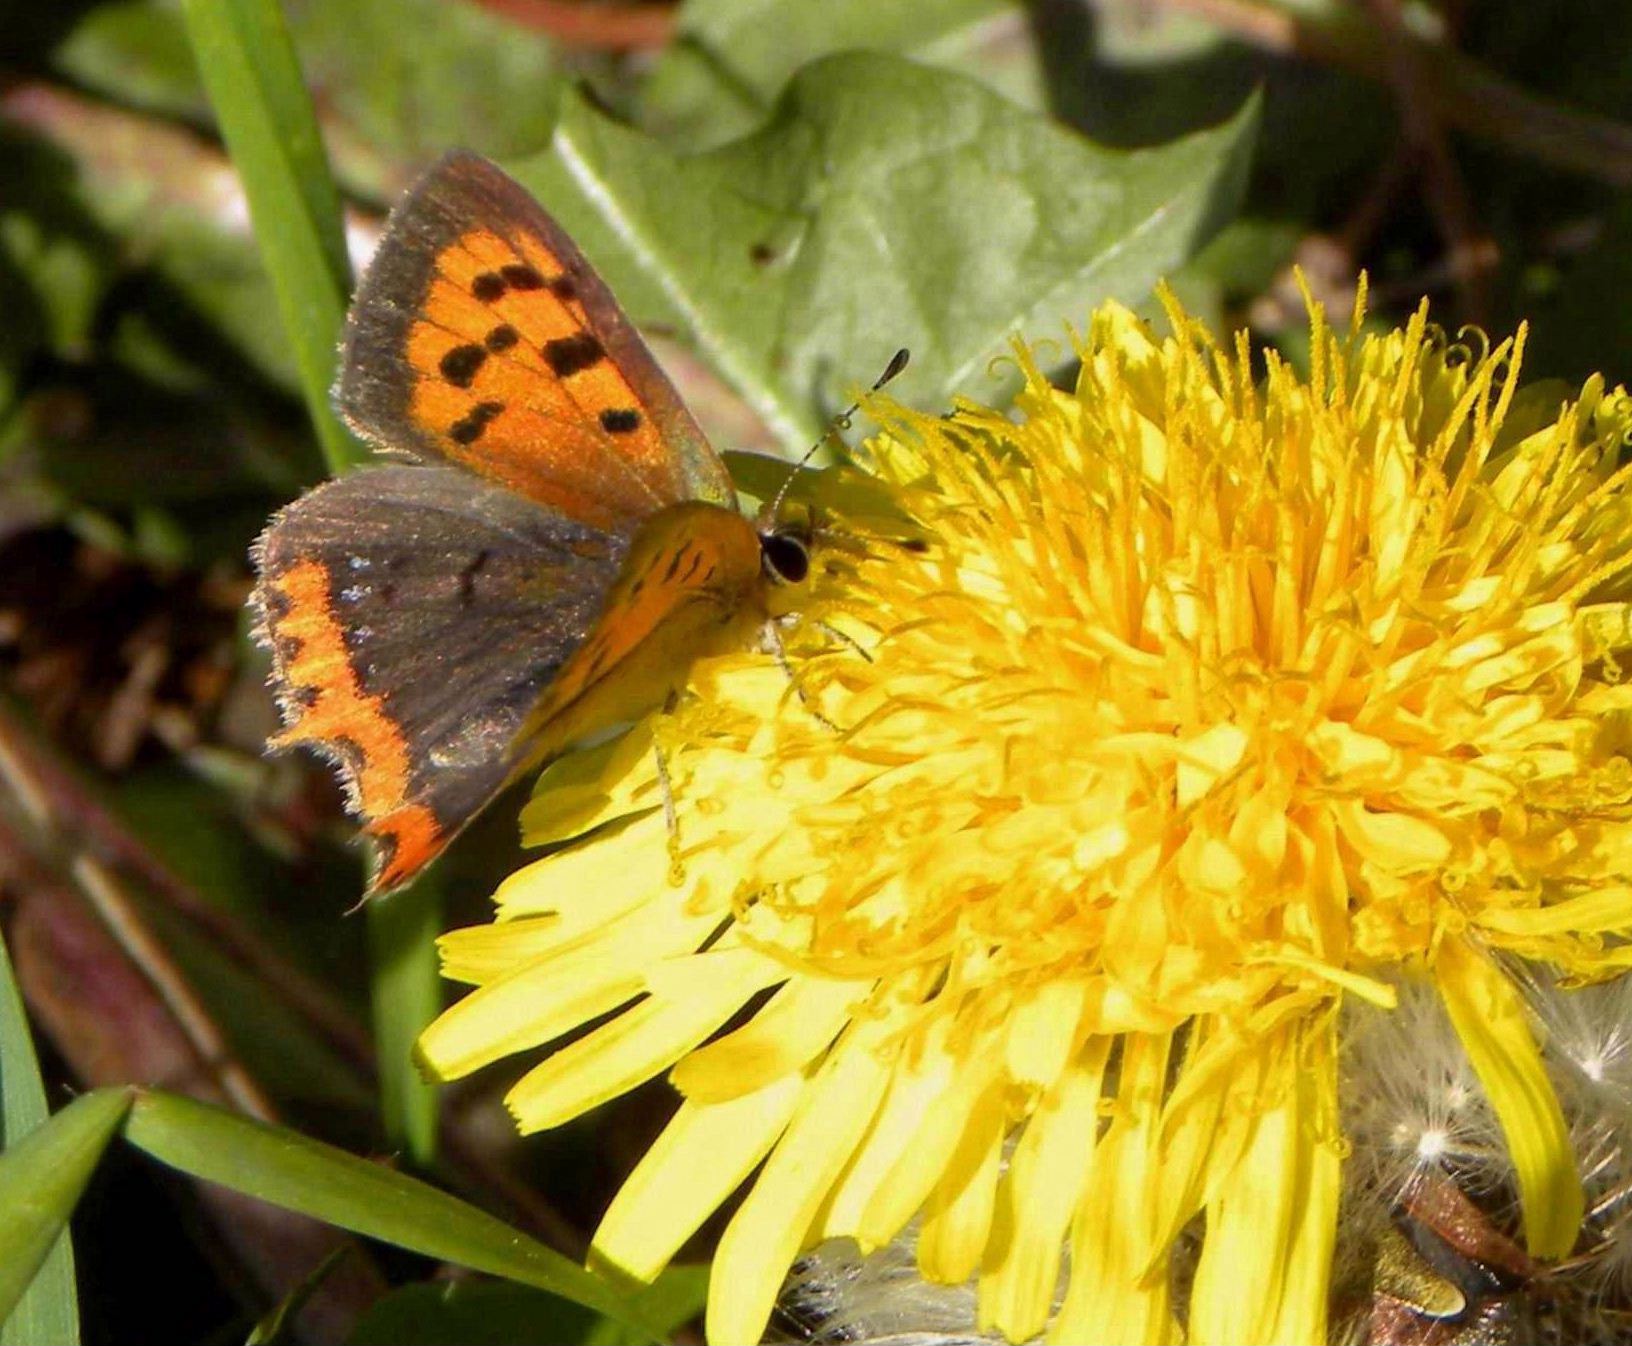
(481, 336)
(416, 615)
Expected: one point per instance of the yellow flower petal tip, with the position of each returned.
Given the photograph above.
(1120, 740)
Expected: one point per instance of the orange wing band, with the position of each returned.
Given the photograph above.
(326, 705)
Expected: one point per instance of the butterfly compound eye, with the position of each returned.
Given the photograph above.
(786, 557)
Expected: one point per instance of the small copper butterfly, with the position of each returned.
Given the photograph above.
(562, 545)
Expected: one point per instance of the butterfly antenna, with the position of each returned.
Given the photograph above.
(897, 363)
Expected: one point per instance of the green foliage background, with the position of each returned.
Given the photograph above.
(782, 193)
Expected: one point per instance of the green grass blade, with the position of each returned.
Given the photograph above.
(406, 992)
(265, 113)
(49, 1310)
(41, 1177)
(253, 78)
(305, 1175)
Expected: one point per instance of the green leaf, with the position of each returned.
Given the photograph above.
(407, 79)
(406, 989)
(883, 205)
(254, 82)
(49, 1310)
(731, 58)
(137, 52)
(305, 1175)
(41, 1177)
(497, 1314)
(398, 81)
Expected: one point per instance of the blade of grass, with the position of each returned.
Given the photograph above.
(406, 993)
(49, 1309)
(251, 74)
(305, 1175)
(253, 78)
(41, 1177)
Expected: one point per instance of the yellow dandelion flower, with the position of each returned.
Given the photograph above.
(1116, 739)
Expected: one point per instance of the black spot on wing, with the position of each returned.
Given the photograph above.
(563, 288)
(468, 429)
(620, 420)
(461, 365)
(520, 276)
(488, 286)
(568, 355)
(467, 576)
(501, 338)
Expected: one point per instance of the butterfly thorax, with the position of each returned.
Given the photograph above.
(692, 584)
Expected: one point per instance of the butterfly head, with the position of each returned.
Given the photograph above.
(784, 551)
(785, 544)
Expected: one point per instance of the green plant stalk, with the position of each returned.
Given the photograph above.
(406, 994)
(252, 75)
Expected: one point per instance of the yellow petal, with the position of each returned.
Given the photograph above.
(958, 1217)
(788, 1031)
(921, 1163)
(484, 953)
(1265, 1262)
(1489, 1018)
(1205, 758)
(1605, 909)
(769, 1228)
(920, 1077)
(627, 864)
(698, 1161)
(1037, 1197)
(1202, 1132)
(620, 869)
(586, 789)
(1043, 1030)
(1397, 842)
(541, 1000)
(642, 1041)
(1110, 1298)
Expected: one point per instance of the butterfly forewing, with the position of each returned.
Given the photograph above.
(481, 336)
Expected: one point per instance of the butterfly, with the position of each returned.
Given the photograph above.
(558, 544)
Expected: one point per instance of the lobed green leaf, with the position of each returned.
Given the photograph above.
(883, 205)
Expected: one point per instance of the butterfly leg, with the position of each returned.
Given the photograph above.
(844, 639)
(773, 643)
(670, 818)
(671, 815)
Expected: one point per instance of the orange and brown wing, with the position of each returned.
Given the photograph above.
(416, 616)
(481, 336)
